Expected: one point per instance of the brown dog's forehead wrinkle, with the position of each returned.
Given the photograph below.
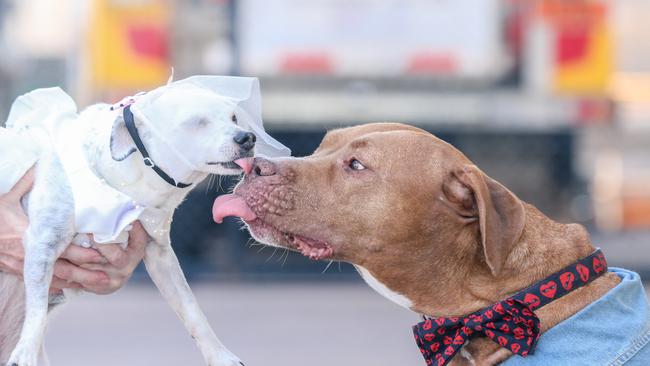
(359, 144)
(337, 137)
(378, 142)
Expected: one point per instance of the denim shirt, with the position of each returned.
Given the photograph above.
(615, 330)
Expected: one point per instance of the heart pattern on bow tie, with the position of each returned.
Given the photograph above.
(511, 323)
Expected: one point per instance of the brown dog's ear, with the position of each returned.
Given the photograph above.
(500, 213)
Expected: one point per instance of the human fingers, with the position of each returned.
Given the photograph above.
(59, 284)
(114, 254)
(80, 255)
(11, 264)
(72, 273)
(23, 186)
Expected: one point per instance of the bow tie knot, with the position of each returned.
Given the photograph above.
(510, 323)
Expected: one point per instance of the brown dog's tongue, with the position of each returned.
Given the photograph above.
(231, 205)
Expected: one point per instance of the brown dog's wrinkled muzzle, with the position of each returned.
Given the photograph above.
(264, 193)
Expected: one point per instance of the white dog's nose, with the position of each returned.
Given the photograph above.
(246, 140)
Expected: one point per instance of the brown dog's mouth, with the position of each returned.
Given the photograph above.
(235, 205)
(309, 247)
(312, 248)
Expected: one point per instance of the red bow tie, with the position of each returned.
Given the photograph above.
(511, 323)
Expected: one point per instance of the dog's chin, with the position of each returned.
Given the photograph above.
(267, 234)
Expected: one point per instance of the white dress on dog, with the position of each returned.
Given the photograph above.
(42, 120)
(17, 155)
(45, 119)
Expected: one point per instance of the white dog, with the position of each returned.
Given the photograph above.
(99, 171)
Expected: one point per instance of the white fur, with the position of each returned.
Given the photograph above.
(193, 121)
(391, 295)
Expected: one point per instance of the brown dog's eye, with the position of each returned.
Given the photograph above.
(356, 165)
(233, 118)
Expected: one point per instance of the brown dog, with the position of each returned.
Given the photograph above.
(422, 224)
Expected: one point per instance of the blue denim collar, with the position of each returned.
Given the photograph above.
(610, 331)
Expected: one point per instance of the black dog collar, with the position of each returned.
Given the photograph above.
(133, 131)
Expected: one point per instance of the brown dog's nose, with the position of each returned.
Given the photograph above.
(263, 167)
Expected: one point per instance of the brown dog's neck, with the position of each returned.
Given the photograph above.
(460, 286)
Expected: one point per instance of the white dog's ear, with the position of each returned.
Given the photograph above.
(122, 144)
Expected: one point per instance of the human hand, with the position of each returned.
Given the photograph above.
(101, 271)
(13, 221)
(119, 263)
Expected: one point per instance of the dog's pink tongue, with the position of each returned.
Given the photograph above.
(231, 205)
(246, 164)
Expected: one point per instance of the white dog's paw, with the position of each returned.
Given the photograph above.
(21, 357)
(225, 358)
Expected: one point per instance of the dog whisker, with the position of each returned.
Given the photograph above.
(210, 184)
(272, 254)
(280, 257)
(287, 251)
(327, 267)
(220, 181)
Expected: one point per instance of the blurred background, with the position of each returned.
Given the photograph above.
(550, 97)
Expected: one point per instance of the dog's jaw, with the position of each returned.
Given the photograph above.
(309, 247)
(228, 167)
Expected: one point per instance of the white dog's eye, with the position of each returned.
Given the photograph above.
(233, 118)
(356, 165)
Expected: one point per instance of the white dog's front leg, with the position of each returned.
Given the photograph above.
(51, 213)
(166, 273)
(40, 256)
